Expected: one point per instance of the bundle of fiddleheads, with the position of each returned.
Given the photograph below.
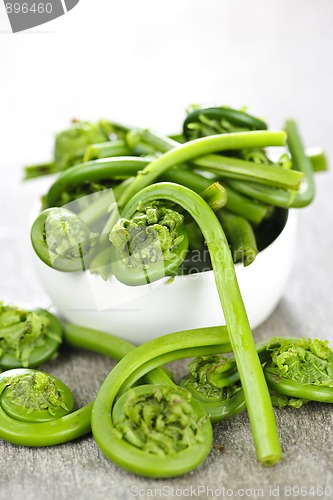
(148, 240)
(37, 409)
(253, 184)
(159, 426)
(66, 241)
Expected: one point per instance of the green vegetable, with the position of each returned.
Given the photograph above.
(301, 369)
(62, 240)
(151, 245)
(250, 164)
(241, 205)
(302, 163)
(241, 237)
(271, 194)
(280, 197)
(297, 371)
(214, 381)
(220, 403)
(27, 338)
(134, 452)
(70, 146)
(265, 194)
(133, 367)
(36, 410)
(96, 170)
(106, 150)
(254, 386)
(164, 423)
(234, 168)
(219, 120)
(157, 430)
(318, 159)
(36, 397)
(199, 147)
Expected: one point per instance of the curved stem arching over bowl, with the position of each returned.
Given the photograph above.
(248, 363)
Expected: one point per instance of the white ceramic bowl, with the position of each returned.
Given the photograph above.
(141, 313)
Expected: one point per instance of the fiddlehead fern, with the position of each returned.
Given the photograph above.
(134, 439)
(27, 338)
(93, 171)
(200, 147)
(219, 408)
(201, 122)
(301, 197)
(162, 421)
(37, 410)
(249, 366)
(301, 368)
(214, 381)
(70, 145)
(156, 430)
(221, 402)
(62, 240)
(297, 371)
(34, 396)
(152, 244)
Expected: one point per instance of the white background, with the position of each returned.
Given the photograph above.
(144, 61)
